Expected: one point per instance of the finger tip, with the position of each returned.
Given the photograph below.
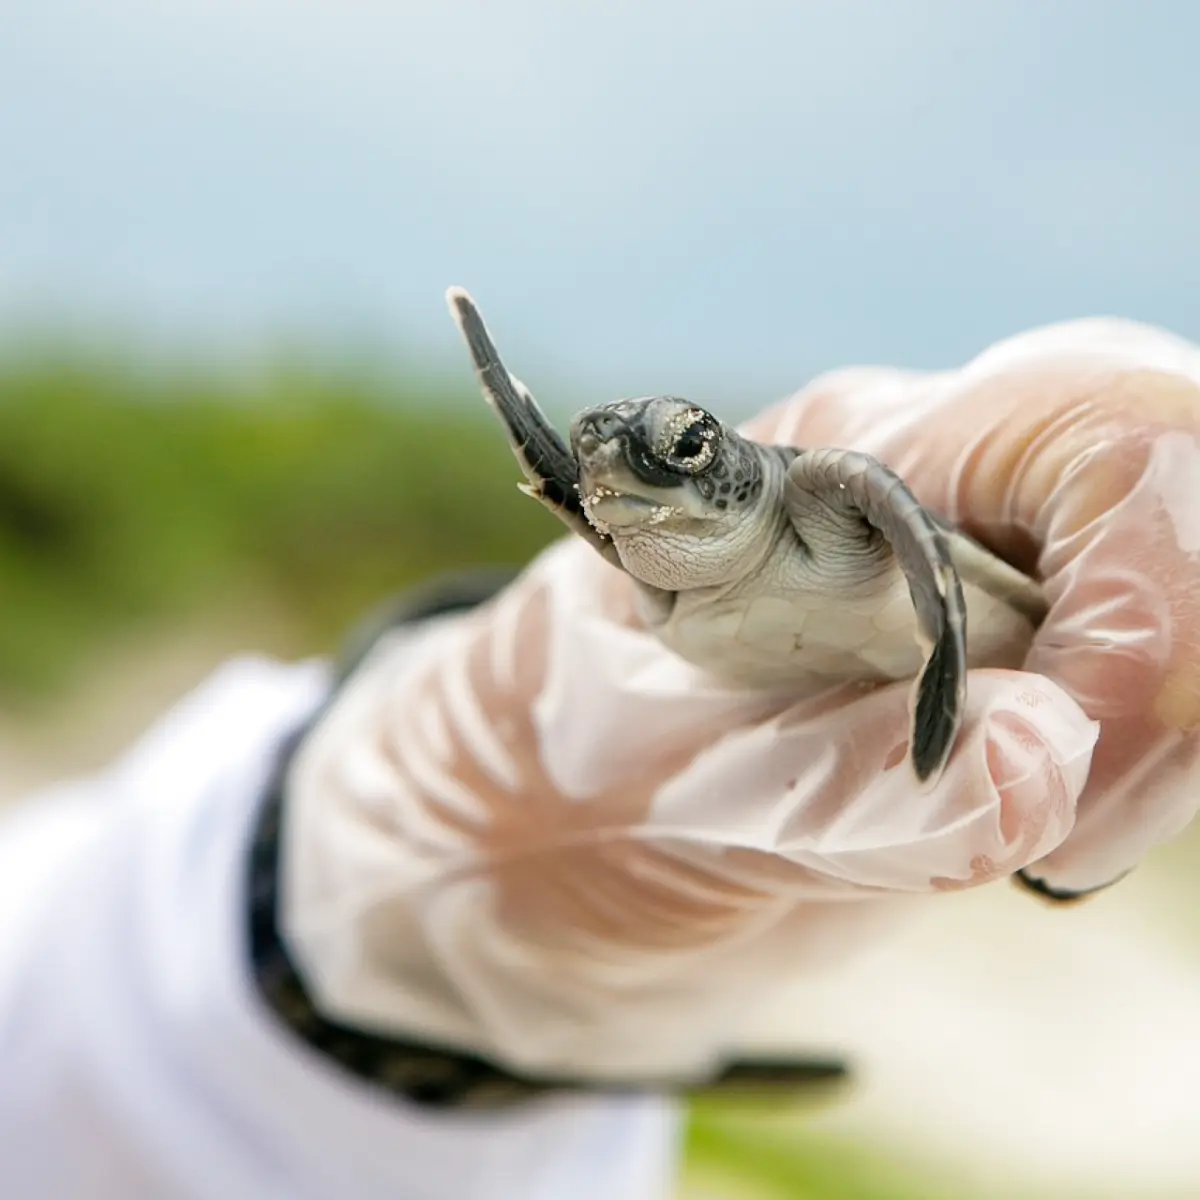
(1037, 702)
(1036, 787)
(1026, 752)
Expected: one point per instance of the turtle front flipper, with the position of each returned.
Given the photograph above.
(547, 462)
(834, 495)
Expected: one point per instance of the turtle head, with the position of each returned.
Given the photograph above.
(665, 479)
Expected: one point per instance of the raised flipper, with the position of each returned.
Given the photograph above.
(546, 460)
(863, 489)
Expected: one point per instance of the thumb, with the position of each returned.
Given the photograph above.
(827, 788)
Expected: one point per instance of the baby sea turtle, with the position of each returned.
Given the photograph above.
(771, 566)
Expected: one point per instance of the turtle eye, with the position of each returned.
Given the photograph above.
(690, 443)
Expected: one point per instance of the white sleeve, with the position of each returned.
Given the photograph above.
(138, 1061)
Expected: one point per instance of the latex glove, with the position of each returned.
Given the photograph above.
(535, 833)
(1074, 452)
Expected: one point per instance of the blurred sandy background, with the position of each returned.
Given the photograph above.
(234, 412)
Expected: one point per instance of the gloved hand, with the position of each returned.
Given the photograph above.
(534, 833)
(1072, 451)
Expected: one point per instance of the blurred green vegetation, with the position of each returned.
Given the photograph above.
(726, 1148)
(129, 496)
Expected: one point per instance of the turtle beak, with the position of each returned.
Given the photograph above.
(609, 490)
(592, 430)
(598, 440)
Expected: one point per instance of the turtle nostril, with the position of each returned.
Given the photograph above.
(606, 424)
(596, 428)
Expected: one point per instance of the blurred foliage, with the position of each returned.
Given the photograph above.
(130, 496)
(725, 1147)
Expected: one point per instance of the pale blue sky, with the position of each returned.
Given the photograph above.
(720, 199)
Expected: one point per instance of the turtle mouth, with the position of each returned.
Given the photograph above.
(609, 507)
(613, 496)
